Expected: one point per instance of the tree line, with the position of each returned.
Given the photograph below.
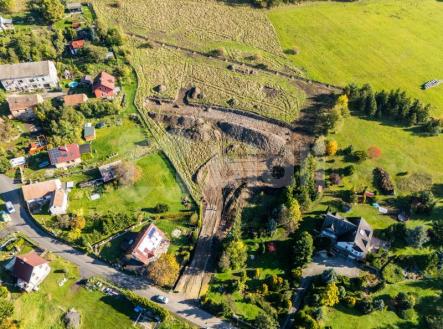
(393, 105)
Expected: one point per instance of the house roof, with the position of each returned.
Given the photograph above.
(64, 153)
(25, 70)
(73, 5)
(89, 130)
(106, 80)
(355, 230)
(58, 199)
(24, 265)
(77, 44)
(146, 243)
(75, 99)
(22, 102)
(39, 190)
(108, 171)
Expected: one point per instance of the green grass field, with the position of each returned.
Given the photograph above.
(158, 184)
(44, 309)
(388, 43)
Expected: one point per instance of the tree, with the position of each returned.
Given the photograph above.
(51, 10)
(404, 301)
(437, 230)
(95, 54)
(423, 202)
(236, 251)
(303, 249)
(417, 236)
(164, 271)
(161, 208)
(331, 147)
(79, 222)
(294, 215)
(265, 321)
(330, 295)
(374, 152)
(114, 37)
(5, 165)
(7, 5)
(128, 173)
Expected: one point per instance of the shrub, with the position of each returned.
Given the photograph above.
(350, 301)
(383, 181)
(161, 208)
(393, 273)
(365, 306)
(331, 147)
(378, 304)
(359, 156)
(374, 152)
(417, 236)
(404, 301)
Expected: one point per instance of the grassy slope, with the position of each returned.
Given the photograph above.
(157, 185)
(44, 309)
(389, 43)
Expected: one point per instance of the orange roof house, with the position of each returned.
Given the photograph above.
(75, 99)
(76, 45)
(104, 85)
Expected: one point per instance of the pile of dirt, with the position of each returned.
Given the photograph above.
(192, 128)
(268, 142)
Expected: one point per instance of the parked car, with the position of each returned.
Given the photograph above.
(10, 207)
(100, 125)
(162, 299)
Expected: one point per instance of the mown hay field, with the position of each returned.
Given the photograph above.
(243, 32)
(265, 94)
(388, 43)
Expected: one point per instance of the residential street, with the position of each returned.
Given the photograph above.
(22, 221)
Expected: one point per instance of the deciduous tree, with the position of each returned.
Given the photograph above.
(164, 271)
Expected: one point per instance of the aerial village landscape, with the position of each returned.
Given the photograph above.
(181, 164)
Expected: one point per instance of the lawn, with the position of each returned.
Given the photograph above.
(112, 251)
(403, 155)
(44, 309)
(388, 43)
(158, 184)
(344, 318)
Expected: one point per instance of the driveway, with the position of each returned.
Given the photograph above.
(341, 265)
(23, 222)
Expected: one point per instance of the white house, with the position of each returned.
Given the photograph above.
(29, 76)
(30, 270)
(149, 245)
(59, 203)
(50, 191)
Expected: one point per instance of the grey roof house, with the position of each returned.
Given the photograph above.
(352, 235)
(29, 76)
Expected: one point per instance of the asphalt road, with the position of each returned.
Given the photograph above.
(89, 266)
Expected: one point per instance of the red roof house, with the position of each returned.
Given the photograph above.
(104, 85)
(149, 245)
(76, 45)
(30, 271)
(65, 156)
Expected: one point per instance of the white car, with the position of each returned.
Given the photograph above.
(162, 299)
(10, 207)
